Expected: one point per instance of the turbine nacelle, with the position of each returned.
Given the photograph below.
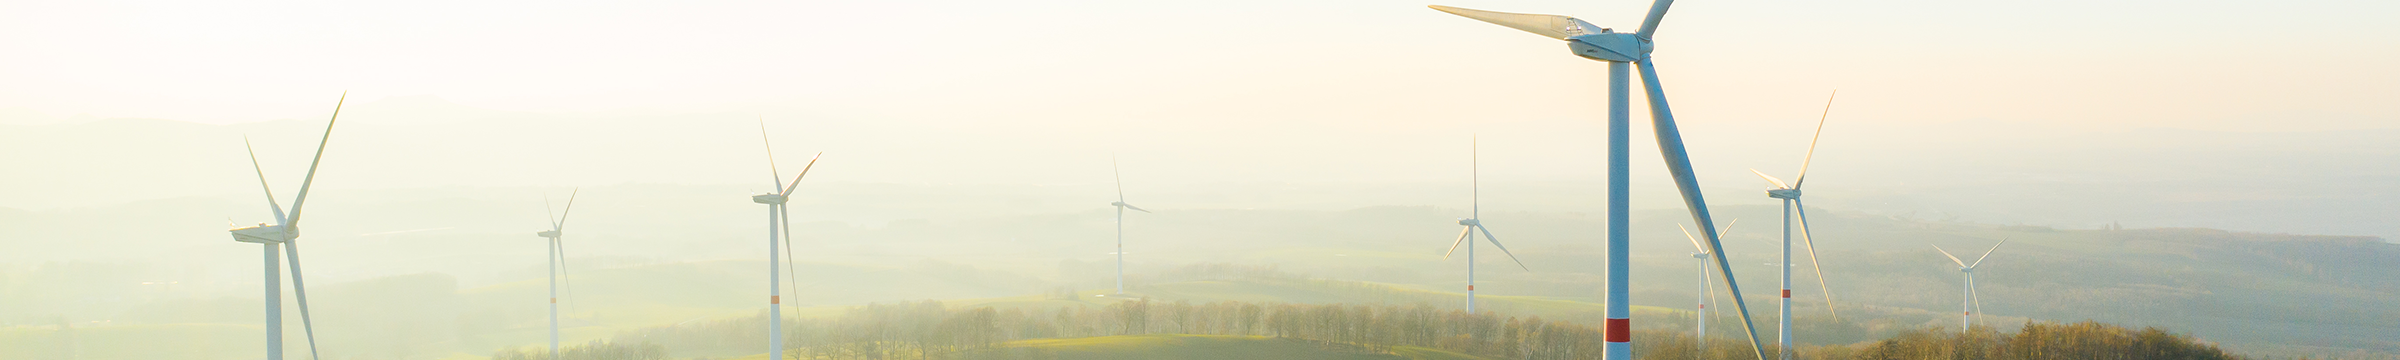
(548, 234)
(1609, 45)
(1470, 222)
(1699, 255)
(264, 234)
(1788, 194)
(769, 199)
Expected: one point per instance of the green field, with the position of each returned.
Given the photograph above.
(1195, 347)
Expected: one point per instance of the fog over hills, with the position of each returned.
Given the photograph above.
(1990, 171)
(2268, 242)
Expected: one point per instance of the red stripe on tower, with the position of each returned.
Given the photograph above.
(774, 299)
(554, 300)
(1470, 287)
(1620, 330)
(1787, 293)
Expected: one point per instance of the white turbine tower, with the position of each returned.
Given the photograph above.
(778, 220)
(1121, 206)
(1622, 51)
(286, 233)
(558, 260)
(1790, 194)
(1972, 302)
(1704, 297)
(1473, 224)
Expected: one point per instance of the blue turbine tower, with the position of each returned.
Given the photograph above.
(1621, 51)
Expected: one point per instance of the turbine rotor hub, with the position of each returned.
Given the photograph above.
(1787, 194)
(553, 234)
(770, 199)
(1470, 222)
(1117, 204)
(1699, 255)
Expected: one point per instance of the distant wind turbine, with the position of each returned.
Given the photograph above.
(1707, 281)
(1971, 301)
(286, 232)
(1621, 50)
(1474, 224)
(1790, 193)
(778, 220)
(558, 259)
(1121, 206)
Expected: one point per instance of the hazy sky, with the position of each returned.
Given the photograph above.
(2220, 65)
(1950, 99)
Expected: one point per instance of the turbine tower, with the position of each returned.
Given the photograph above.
(558, 260)
(1701, 255)
(1121, 206)
(1972, 302)
(286, 233)
(778, 219)
(1622, 51)
(1790, 194)
(1473, 224)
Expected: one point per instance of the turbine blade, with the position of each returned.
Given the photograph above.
(1987, 254)
(1687, 235)
(1812, 141)
(1658, 12)
(1977, 295)
(302, 199)
(1811, 243)
(1462, 239)
(1952, 258)
(1727, 230)
(1135, 208)
(562, 216)
(1710, 279)
(1771, 179)
(291, 252)
(1119, 174)
(812, 164)
(1551, 26)
(791, 265)
(772, 172)
(561, 244)
(262, 182)
(1679, 165)
(1474, 177)
(550, 212)
(1487, 235)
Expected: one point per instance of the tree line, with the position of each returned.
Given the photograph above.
(931, 330)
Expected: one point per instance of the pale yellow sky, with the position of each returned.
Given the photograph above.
(2221, 65)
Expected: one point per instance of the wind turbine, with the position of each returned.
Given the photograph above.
(286, 232)
(1621, 51)
(1701, 253)
(1972, 301)
(777, 220)
(558, 259)
(1121, 206)
(1791, 202)
(1474, 223)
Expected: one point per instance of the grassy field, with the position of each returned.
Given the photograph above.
(1195, 347)
(1201, 347)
